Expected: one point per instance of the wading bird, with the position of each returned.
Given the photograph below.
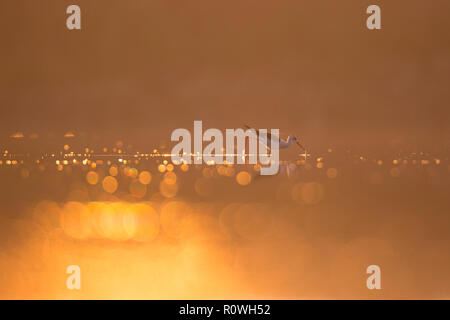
(282, 144)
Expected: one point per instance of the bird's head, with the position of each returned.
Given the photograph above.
(294, 139)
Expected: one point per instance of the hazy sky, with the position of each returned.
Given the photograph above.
(139, 69)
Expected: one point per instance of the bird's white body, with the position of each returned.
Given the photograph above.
(267, 141)
(270, 141)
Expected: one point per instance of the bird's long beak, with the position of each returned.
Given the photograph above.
(298, 143)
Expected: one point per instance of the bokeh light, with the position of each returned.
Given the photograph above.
(91, 177)
(110, 184)
(243, 178)
(145, 177)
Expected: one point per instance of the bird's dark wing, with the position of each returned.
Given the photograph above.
(269, 136)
